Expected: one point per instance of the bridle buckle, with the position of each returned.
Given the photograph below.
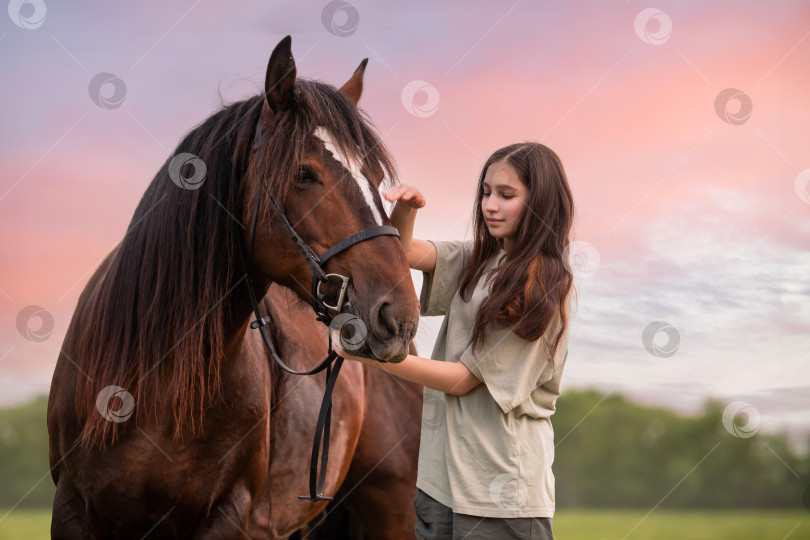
(341, 296)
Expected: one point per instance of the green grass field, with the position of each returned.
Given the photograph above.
(575, 525)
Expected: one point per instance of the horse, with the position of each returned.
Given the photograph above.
(167, 417)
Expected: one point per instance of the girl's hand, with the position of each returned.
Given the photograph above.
(407, 194)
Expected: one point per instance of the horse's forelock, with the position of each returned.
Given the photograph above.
(321, 105)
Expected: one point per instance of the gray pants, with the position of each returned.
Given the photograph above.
(435, 521)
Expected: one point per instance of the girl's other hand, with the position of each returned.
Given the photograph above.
(407, 194)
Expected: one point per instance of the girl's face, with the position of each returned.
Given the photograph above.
(503, 201)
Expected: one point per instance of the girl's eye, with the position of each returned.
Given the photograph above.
(486, 194)
(306, 176)
(508, 196)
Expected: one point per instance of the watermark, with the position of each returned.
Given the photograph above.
(428, 99)
(724, 106)
(741, 419)
(661, 339)
(28, 14)
(187, 171)
(508, 492)
(802, 186)
(581, 258)
(123, 412)
(8, 437)
(434, 414)
(340, 18)
(107, 90)
(650, 436)
(653, 26)
(37, 333)
(352, 332)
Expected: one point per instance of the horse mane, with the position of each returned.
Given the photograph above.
(157, 324)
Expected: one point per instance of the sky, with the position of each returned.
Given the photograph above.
(683, 127)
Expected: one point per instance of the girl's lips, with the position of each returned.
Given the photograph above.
(493, 221)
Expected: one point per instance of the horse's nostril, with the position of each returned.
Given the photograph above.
(386, 318)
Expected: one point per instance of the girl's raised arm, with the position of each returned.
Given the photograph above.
(420, 253)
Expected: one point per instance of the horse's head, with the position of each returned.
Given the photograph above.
(317, 157)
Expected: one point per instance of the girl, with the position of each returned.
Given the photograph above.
(491, 385)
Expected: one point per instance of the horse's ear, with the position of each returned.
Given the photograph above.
(280, 78)
(354, 86)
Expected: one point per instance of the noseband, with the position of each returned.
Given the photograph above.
(319, 304)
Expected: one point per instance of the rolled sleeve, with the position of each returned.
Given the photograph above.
(439, 286)
(512, 367)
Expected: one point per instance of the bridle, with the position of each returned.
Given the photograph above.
(333, 362)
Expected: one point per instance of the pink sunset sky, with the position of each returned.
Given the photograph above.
(685, 217)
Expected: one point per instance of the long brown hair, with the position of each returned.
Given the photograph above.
(531, 284)
(158, 325)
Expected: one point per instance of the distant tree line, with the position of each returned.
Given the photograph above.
(610, 453)
(623, 454)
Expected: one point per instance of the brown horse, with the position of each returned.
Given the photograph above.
(166, 417)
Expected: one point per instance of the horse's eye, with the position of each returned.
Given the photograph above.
(306, 176)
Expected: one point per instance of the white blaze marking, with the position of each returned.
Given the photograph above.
(354, 168)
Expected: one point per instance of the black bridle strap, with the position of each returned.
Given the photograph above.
(310, 256)
(322, 435)
(260, 323)
(371, 232)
